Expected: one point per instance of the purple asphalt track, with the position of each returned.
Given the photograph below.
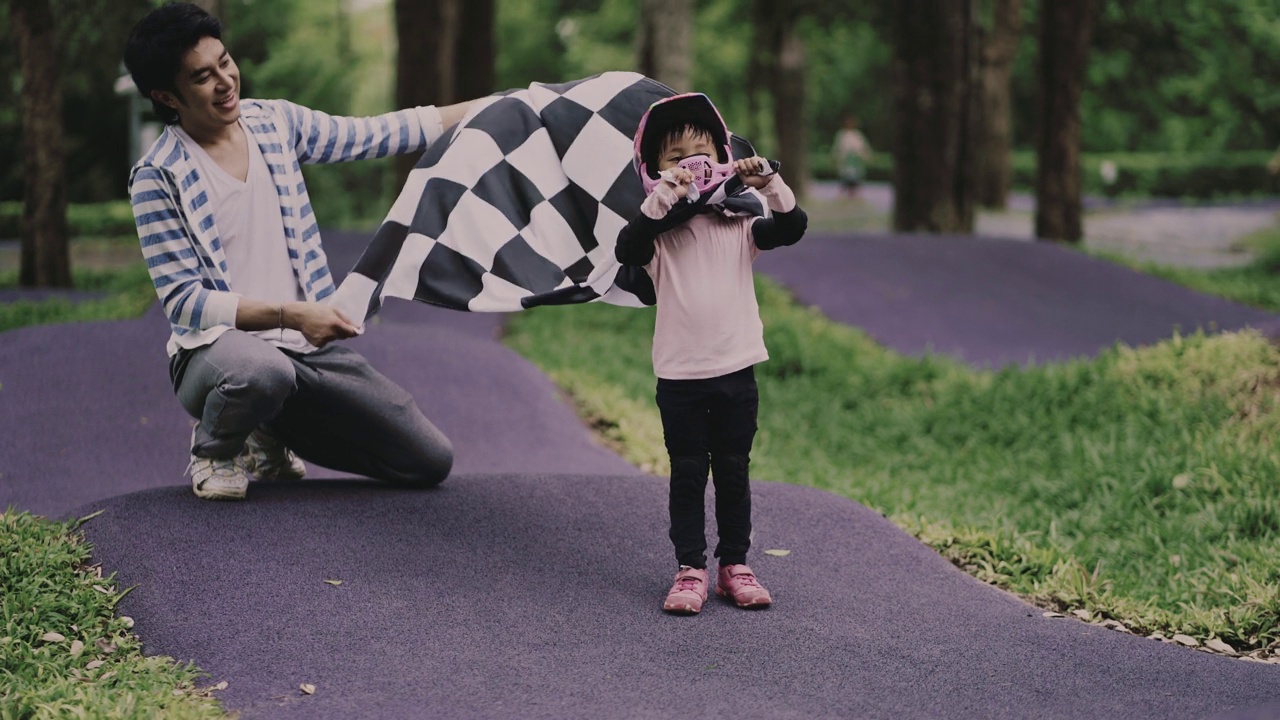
(993, 302)
(528, 584)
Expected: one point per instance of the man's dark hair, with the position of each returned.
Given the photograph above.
(157, 45)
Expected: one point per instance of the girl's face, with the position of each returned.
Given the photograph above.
(689, 142)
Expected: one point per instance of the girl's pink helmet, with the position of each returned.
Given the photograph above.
(673, 113)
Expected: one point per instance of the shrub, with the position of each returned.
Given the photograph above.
(102, 219)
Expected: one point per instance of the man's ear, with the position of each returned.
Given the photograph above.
(164, 97)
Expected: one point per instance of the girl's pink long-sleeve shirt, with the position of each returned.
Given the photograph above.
(708, 321)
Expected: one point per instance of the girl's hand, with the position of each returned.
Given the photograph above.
(750, 169)
(679, 180)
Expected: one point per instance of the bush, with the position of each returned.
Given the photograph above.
(1201, 176)
(103, 219)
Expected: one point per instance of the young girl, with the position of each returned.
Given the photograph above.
(708, 335)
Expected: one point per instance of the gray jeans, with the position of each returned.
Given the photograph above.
(330, 407)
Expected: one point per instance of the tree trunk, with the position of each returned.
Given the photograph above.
(999, 45)
(782, 60)
(1065, 30)
(427, 48)
(476, 51)
(46, 260)
(664, 45)
(935, 70)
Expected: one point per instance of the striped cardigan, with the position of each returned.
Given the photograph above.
(176, 225)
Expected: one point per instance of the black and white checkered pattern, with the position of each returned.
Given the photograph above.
(518, 205)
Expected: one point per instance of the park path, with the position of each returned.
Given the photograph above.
(528, 585)
(1161, 230)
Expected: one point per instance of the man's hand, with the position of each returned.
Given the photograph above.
(750, 169)
(319, 324)
(679, 180)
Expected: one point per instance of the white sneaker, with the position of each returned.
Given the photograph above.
(266, 458)
(218, 479)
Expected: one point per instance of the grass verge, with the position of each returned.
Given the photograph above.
(64, 652)
(1137, 487)
(126, 292)
(1256, 284)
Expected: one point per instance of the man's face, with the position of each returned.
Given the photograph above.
(208, 88)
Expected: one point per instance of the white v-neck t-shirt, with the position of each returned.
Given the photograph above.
(251, 229)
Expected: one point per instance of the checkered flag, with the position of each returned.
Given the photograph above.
(519, 205)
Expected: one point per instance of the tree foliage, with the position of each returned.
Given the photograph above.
(1172, 76)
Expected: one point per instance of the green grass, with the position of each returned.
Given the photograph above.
(1140, 486)
(128, 293)
(1256, 284)
(63, 651)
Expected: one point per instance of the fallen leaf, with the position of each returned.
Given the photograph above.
(77, 647)
(334, 583)
(1181, 481)
(777, 553)
(1217, 645)
(1082, 614)
(1051, 614)
(53, 637)
(94, 664)
(307, 688)
(220, 686)
(177, 693)
(106, 676)
(128, 621)
(105, 646)
(1186, 640)
(102, 590)
(1175, 560)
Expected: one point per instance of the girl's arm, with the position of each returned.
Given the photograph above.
(788, 223)
(635, 241)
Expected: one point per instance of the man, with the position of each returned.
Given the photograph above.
(232, 245)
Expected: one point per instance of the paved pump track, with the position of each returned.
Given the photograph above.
(529, 584)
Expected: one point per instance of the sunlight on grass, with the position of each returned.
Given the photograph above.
(126, 292)
(1140, 485)
(1256, 284)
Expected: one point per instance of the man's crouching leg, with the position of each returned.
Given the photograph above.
(231, 387)
(348, 416)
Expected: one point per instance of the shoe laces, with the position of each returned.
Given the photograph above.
(213, 468)
(746, 578)
(687, 583)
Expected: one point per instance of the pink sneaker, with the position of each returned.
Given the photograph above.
(740, 584)
(688, 593)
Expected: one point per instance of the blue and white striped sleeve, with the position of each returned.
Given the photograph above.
(171, 256)
(321, 138)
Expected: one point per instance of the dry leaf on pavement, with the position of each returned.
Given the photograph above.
(307, 688)
(777, 553)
